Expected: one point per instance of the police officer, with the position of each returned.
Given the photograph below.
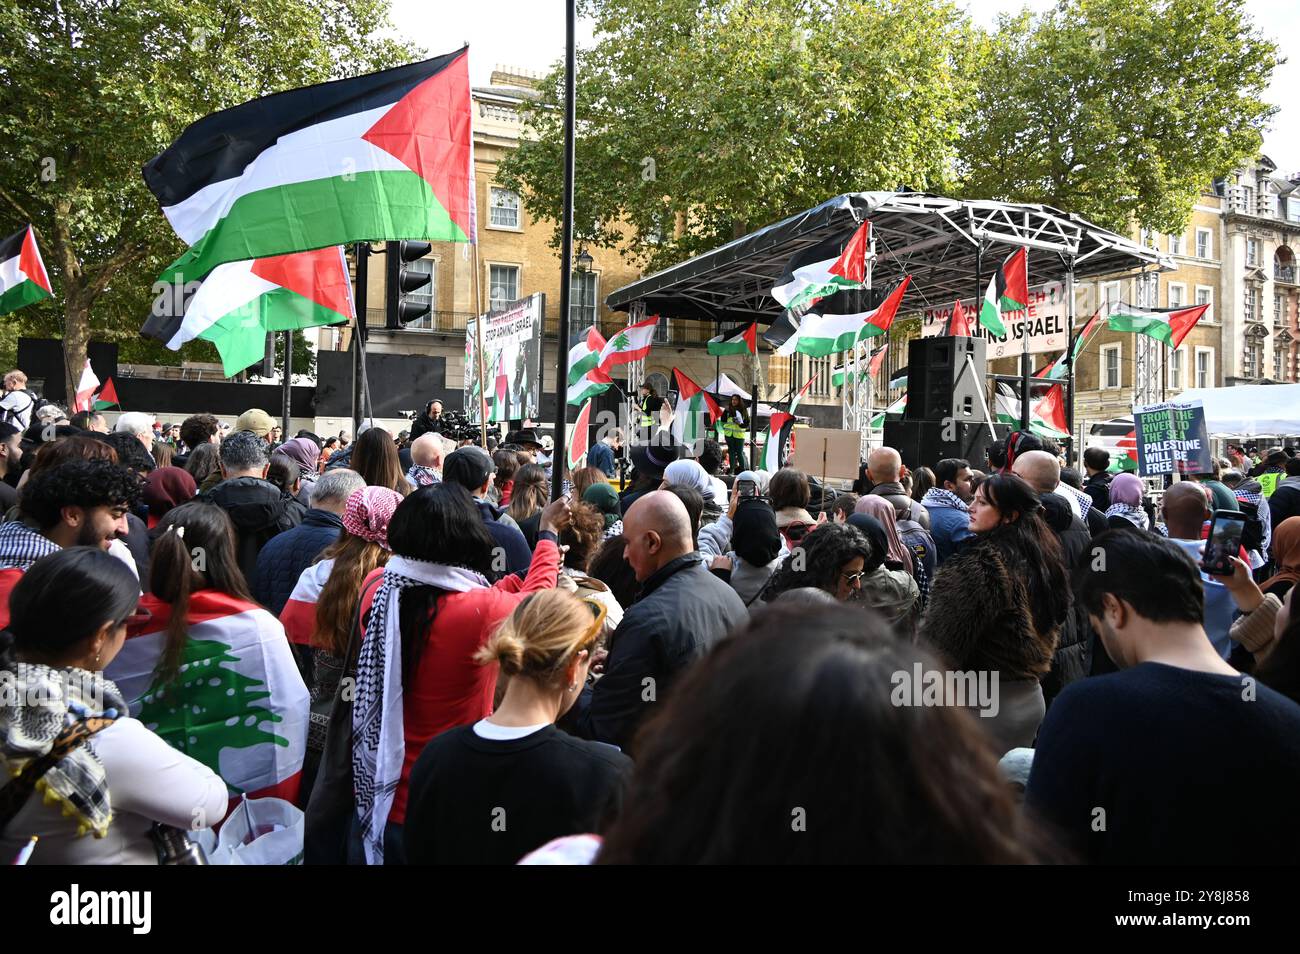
(735, 427)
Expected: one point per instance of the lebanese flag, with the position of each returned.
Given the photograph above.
(23, 279)
(692, 402)
(238, 704)
(1008, 291)
(742, 342)
(298, 617)
(822, 334)
(237, 304)
(959, 324)
(586, 380)
(778, 431)
(106, 398)
(383, 156)
(86, 389)
(579, 440)
(823, 270)
(1167, 325)
(630, 344)
(1056, 370)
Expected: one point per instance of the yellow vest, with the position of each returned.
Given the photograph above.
(732, 427)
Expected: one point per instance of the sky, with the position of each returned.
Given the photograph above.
(529, 34)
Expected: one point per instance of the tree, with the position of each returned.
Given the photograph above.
(1122, 111)
(702, 119)
(92, 89)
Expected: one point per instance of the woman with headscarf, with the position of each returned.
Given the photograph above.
(165, 488)
(604, 498)
(303, 452)
(909, 542)
(688, 473)
(888, 586)
(1286, 554)
(1125, 510)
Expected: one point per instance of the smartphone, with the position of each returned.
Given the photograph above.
(746, 488)
(1224, 542)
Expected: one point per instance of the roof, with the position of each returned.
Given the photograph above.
(930, 237)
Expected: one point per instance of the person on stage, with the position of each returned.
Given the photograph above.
(735, 426)
(648, 404)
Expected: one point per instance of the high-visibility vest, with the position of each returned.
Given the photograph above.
(731, 426)
(646, 419)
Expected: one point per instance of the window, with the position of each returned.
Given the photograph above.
(582, 300)
(1251, 306)
(1205, 296)
(424, 297)
(1204, 243)
(503, 285)
(1110, 294)
(1177, 359)
(1293, 210)
(504, 209)
(819, 369)
(1278, 314)
(1248, 199)
(1252, 251)
(1252, 355)
(1175, 245)
(1177, 295)
(1110, 358)
(1277, 363)
(1204, 367)
(663, 331)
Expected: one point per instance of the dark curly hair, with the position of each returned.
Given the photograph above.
(131, 452)
(818, 560)
(78, 483)
(582, 535)
(198, 429)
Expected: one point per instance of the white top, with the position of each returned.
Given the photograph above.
(148, 781)
(21, 405)
(505, 733)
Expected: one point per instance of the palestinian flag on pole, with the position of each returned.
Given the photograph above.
(1008, 291)
(237, 304)
(899, 380)
(799, 397)
(823, 270)
(86, 389)
(585, 377)
(822, 334)
(1119, 437)
(778, 432)
(238, 704)
(1046, 415)
(742, 342)
(23, 279)
(298, 617)
(692, 402)
(1167, 325)
(1056, 370)
(878, 421)
(383, 156)
(870, 372)
(579, 439)
(106, 398)
(630, 344)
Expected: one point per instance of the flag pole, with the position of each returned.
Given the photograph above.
(560, 454)
(1071, 451)
(478, 350)
(1025, 370)
(286, 386)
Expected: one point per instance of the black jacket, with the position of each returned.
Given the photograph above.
(424, 424)
(518, 555)
(1285, 501)
(284, 558)
(681, 612)
(1098, 488)
(1073, 656)
(259, 510)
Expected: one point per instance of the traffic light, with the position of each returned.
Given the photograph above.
(401, 280)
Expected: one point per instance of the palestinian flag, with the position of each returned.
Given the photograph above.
(692, 402)
(499, 398)
(1008, 291)
(106, 398)
(238, 704)
(586, 380)
(1119, 437)
(742, 342)
(870, 372)
(799, 397)
(86, 389)
(779, 426)
(579, 440)
(298, 617)
(1167, 325)
(237, 304)
(630, 344)
(823, 270)
(878, 421)
(823, 334)
(958, 323)
(1057, 369)
(1046, 415)
(23, 279)
(384, 156)
(841, 375)
(899, 380)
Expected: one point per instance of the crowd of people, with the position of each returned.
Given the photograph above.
(405, 636)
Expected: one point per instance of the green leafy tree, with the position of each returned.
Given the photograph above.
(1119, 110)
(90, 90)
(702, 119)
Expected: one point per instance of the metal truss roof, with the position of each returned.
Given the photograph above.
(930, 237)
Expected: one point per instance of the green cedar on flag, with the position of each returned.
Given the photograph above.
(822, 270)
(630, 344)
(1056, 370)
(106, 398)
(742, 342)
(822, 334)
(579, 438)
(1167, 325)
(383, 156)
(237, 304)
(23, 279)
(586, 380)
(692, 402)
(1008, 291)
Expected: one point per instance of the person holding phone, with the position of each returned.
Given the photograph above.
(735, 425)
(1186, 507)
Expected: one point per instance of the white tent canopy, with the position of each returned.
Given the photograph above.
(1248, 410)
(725, 386)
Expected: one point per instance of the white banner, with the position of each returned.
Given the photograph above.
(1047, 320)
(512, 361)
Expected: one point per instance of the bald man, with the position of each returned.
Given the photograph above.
(680, 613)
(885, 471)
(426, 461)
(1184, 508)
(1042, 471)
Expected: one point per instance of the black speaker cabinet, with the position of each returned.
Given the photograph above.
(939, 386)
(925, 443)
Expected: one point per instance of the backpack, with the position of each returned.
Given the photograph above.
(1252, 538)
(13, 416)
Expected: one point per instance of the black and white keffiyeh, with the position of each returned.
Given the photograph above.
(21, 546)
(378, 732)
(1133, 514)
(940, 497)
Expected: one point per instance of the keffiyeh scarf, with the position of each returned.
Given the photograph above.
(378, 732)
(940, 497)
(37, 704)
(1134, 515)
(21, 546)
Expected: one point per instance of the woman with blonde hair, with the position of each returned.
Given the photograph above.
(491, 792)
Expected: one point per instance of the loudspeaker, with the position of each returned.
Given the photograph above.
(937, 388)
(925, 443)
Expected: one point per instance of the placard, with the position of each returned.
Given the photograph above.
(512, 361)
(822, 451)
(1047, 320)
(1172, 439)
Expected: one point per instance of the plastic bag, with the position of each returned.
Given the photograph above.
(261, 831)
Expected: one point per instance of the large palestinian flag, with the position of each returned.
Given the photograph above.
(692, 403)
(383, 156)
(238, 704)
(237, 304)
(586, 380)
(579, 439)
(1008, 291)
(779, 426)
(1167, 325)
(744, 341)
(823, 270)
(23, 279)
(1046, 414)
(823, 334)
